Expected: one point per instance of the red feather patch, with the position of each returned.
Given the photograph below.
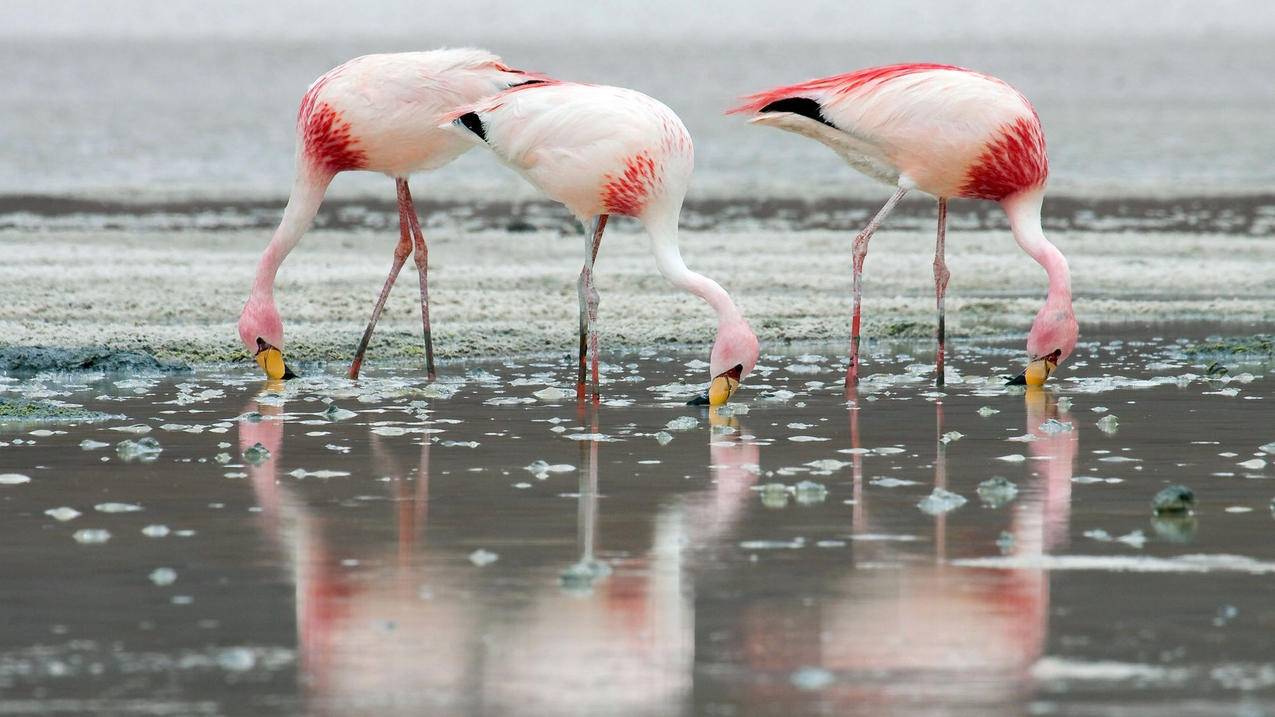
(628, 193)
(1012, 162)
(328, 142)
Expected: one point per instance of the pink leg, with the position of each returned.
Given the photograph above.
(941, 276)
(400, 255)
(589, 312)
(860, 253)
(422, 270)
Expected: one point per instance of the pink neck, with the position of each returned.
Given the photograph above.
(1023, 210)
(669, 259)
(303, 205)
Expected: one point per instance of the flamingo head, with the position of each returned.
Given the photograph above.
(734, 355)
(1052, 339)
(261, 331)
(505, 77)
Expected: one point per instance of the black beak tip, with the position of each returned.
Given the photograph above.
(287, 373)
(698, 401)
(1019, 380)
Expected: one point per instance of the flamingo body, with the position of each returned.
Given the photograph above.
(596, 149)
(377, 113)
(380, 112)
(949, 132)
(603, 150)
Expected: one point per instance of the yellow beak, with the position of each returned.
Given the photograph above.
(270, 359)
(1038, 371)
(721, 389)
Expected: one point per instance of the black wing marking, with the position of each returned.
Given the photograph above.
(803, 106)
(474, 124)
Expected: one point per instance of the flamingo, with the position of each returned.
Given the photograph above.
(948, 132)
(375, 113)
(601, 151)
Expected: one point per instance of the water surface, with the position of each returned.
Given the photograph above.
(473, 548)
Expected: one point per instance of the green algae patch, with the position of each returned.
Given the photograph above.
(23, 411)
(1258, 346)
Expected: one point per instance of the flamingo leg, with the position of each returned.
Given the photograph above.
(941, 276)
(400, 255)
(422, 271)
(588, 294)
(860, 253)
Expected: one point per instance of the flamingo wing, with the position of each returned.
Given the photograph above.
(948, 130)
(594, 148)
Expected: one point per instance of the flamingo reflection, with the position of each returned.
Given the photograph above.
(905, 627)
(605, 631)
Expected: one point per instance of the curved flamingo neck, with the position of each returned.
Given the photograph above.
(303, 205)
(1023, 210)
(668, 257)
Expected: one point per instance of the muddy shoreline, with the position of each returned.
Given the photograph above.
(1242, 214)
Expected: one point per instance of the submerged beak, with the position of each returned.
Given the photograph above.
(724, 385)
(270, 359)
(1037, 371)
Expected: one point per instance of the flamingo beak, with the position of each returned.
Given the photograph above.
(1037, 371)
(724, 385)
(270, 359)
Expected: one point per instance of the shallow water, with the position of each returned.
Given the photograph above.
(412, 556)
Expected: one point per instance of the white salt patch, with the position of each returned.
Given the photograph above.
(1136, 539)
(508, 401)
(1057, 669)
(1053, 426)
(63, 514)
(885, 537)
(13, 479)
(90, 445)
(542, 469)
(807, 439)
(91, 536)
(812, 678)
(1118, 563)
(155, 531)
(600, 437)
(482, 557)
(117, 507)
(828, 464)
(1255, 464)
(794, 544)
(138, 428)
(940, 501)
(303, 473)
(551, 393)
(682, 423)
(388, 430)
(1013, 458)
(163, 576)
(888, 482)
